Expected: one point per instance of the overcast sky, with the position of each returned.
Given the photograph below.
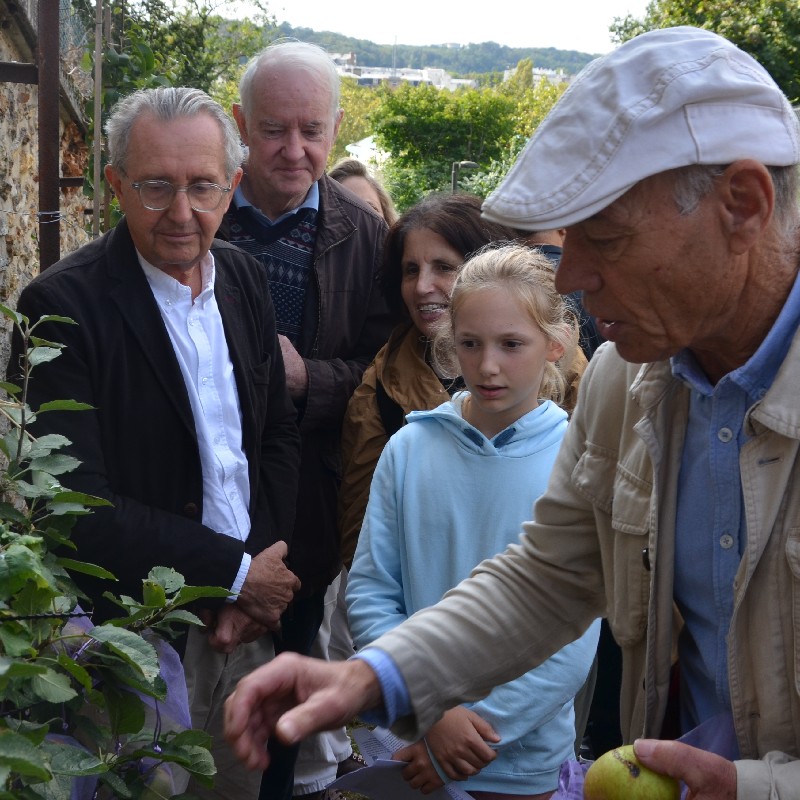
(565, 24)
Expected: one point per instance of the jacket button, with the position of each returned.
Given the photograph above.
(190, 510)
(646, 558)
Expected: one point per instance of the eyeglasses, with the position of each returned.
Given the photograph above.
(158, 195)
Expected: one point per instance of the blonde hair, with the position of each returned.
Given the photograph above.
(528, 276)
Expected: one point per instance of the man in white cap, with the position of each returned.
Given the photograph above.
(674, 506)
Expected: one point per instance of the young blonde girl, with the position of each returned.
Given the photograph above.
(452, 488)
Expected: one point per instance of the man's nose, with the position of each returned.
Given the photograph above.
(293, 145)
(575, 273)
(180, 207)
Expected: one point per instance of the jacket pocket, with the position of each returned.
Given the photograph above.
(621, 498)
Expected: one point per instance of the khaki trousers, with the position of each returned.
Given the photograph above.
(210, 678)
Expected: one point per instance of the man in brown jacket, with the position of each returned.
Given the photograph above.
(322, 248)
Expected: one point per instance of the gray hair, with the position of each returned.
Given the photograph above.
(166, 104)
(290, 53)
(693, 183)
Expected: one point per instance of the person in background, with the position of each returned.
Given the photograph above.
(673, 504)
(355, 175)
(322, 248)
(424, 251)
(191, 436)
(433, 514)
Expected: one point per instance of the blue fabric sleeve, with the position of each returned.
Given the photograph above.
(396, 701)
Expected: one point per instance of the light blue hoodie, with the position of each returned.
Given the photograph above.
(443, 498)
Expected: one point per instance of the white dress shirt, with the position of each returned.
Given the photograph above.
(198, 338)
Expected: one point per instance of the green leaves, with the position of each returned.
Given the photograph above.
(61, 680)
(18, 755)
(132, 648)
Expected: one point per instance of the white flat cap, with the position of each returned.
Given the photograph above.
(665, 99)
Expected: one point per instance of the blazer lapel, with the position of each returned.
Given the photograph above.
(134, 299)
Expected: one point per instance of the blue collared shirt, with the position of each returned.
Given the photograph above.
(711, 527)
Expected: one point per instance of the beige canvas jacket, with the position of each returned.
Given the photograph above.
(603, 545)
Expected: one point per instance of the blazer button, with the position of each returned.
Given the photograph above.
(190, 510)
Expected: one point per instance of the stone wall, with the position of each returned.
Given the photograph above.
(19, 178)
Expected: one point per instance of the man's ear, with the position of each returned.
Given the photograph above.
(337, 122)
(748, 202)
(241, 122)
(114, 179)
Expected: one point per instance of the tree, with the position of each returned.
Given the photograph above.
(426, 129)
(767, 29)
(358, 103)
(206, 48)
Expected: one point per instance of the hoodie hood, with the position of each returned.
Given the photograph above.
(546, 423)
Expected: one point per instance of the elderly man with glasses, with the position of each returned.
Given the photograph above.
(192, 435)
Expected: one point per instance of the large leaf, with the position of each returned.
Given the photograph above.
(126, 711)
(55, 463)
(18, 566)
(19, 669)
(196, 760)
(45, 445)
(82, 498)
(54, 318)
(14, 316)
(85, 568)
(130, 646)
(15, 643)
(73, 760)
(10, 513)
(189, 594)
(19, 755)
(181, 615)
(54, 687)
(153, 595)
(64, 405)
(116, 783)
(167, 577)
(76, 670)
(40, 355)
(10, 388)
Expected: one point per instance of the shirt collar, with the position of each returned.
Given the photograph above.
(168, 291)
(757, 374)
(311, 201)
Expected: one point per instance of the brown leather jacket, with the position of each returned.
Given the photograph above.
(345, 323)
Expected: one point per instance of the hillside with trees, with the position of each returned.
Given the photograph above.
(486, 57)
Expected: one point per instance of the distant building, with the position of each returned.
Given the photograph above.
(373, 76)
(366, 151)
(343, 59)
(540, 74)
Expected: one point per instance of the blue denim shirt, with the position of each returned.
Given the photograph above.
(711, 531)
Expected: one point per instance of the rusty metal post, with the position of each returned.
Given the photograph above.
(49, 144)
(97, 143)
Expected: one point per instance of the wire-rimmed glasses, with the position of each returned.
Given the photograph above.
(158, 195)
